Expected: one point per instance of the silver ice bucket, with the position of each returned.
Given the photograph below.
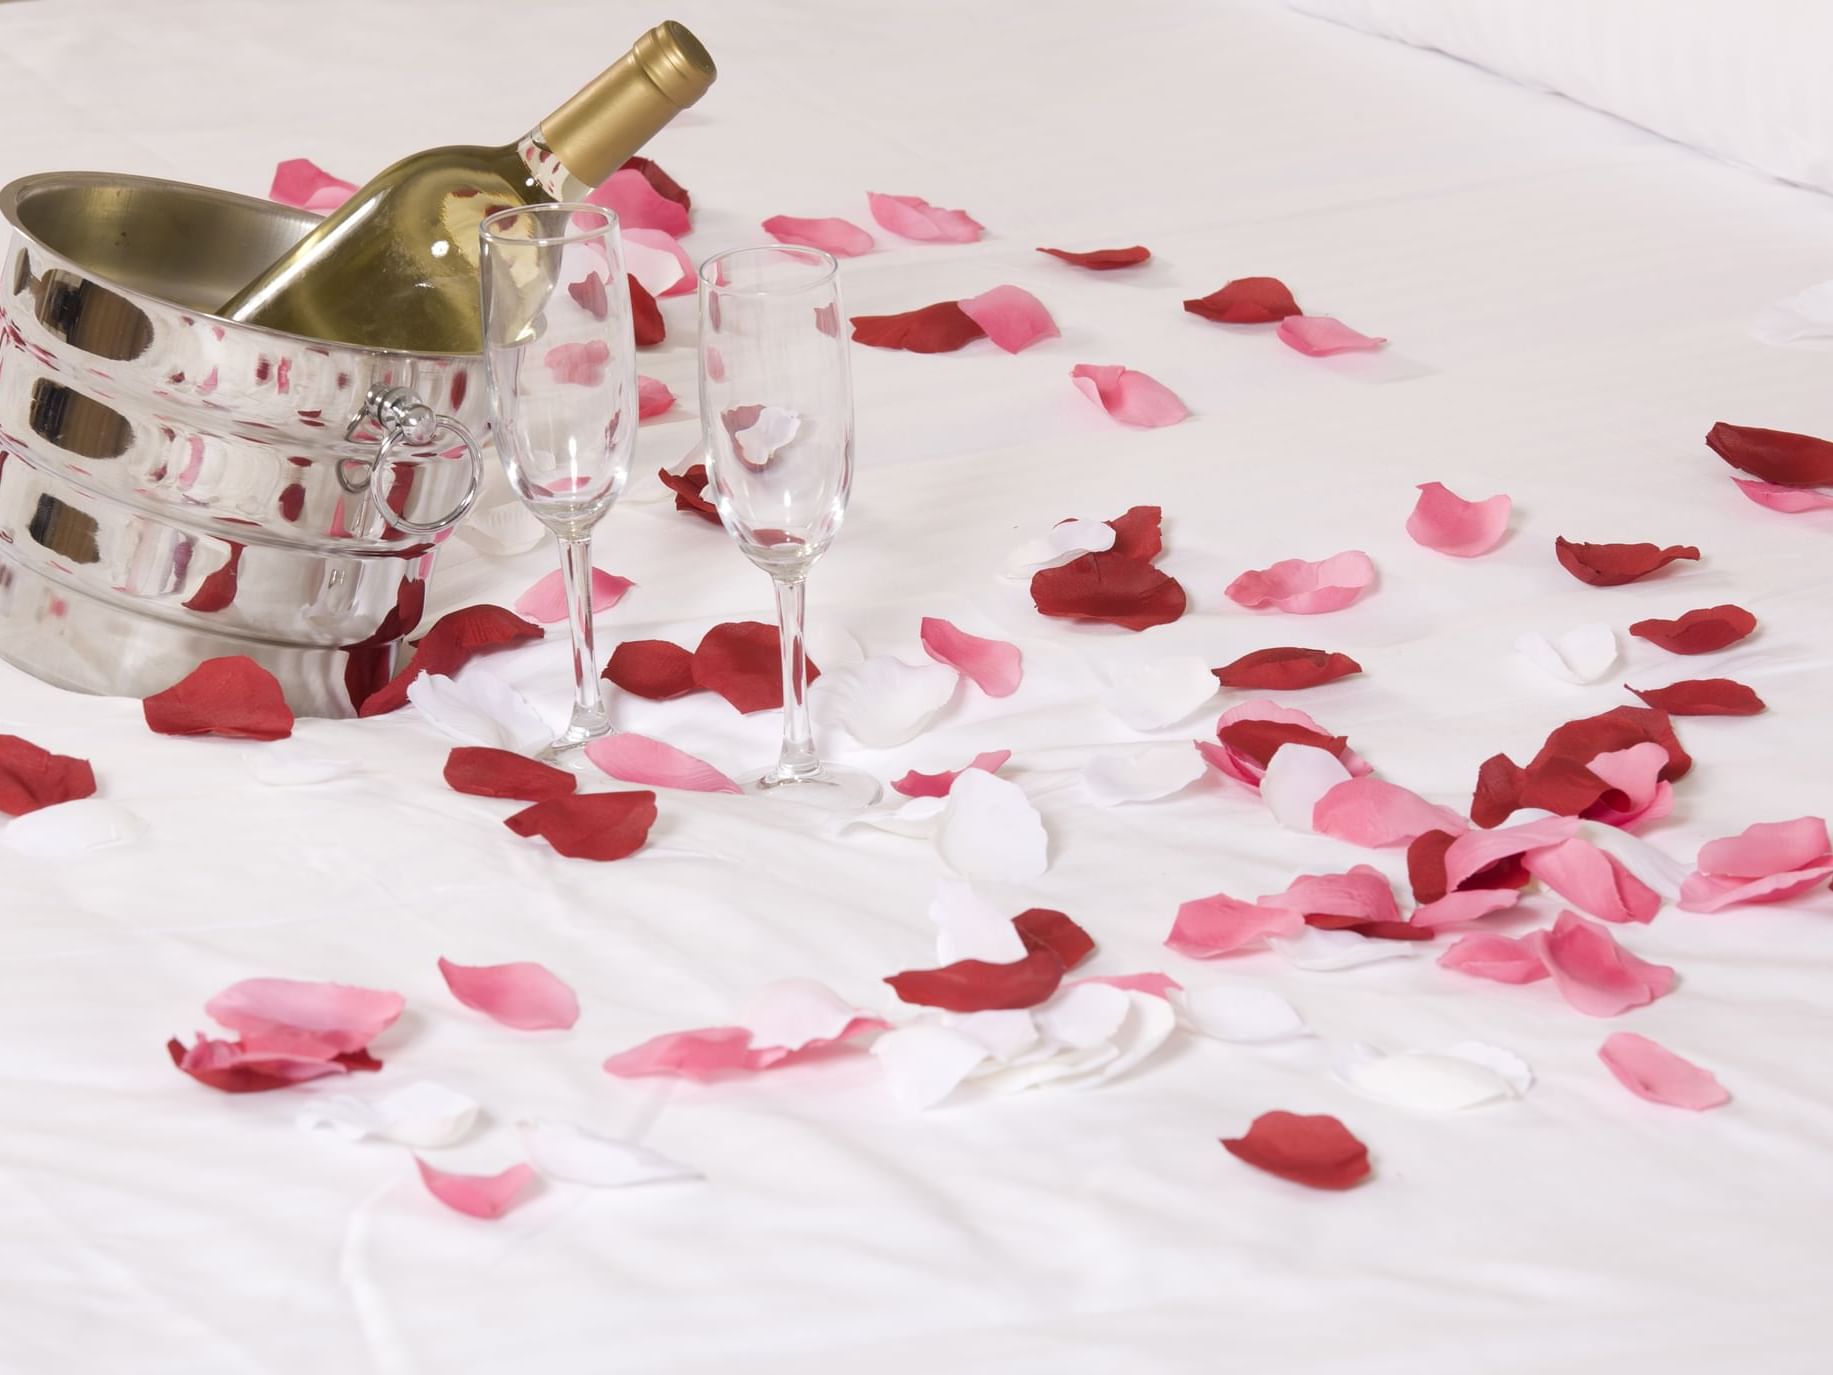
(175, 486)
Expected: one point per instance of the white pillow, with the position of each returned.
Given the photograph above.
(1750, 81)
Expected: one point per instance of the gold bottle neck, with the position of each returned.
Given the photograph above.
(624, 106)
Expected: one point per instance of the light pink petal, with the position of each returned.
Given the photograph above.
(339, 1017)
(1768, 847)
(1502, 958)
(1474, 851)
(914, 784)
(302, 182)
(1157, 984)
(698, 1054)
(1013, 318)
(1317, 336)
(1444, 521)
(581, 363)
(1635, 773)
(645, 254)
(1654, 1072)
(912, 217)
(1594, 881)
(488, 1196)
(638, 205)
(1220, 924)
(1379, 814)
(994, 665)
(1473, 904)
(1712, 892)
(842, 238)
(652, 397)
(1790, 500)
(639, 759)
(545, 602)
(524, 995)
(1592, 972)
(1364, 892)
(1305, 588)
(1130, 397)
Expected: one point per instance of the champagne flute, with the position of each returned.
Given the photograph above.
(561, 359)
(776, 410)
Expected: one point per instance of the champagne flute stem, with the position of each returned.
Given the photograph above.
(798, 757)
(589, 714)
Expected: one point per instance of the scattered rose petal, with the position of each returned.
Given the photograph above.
(452, 642)
(71, 828)
(602, 826)
(1379, 814)
(288, 764)
(939, 328)
(1474, 859)
(1557, 780)
(578, 364)
(991, 831)
(1592, 972)
(1594, 882)
(303, 1015)
(1456, 909)
(479, 709)
(742, 662)
(1637, 794)
(652, 397)
(1147, 775)
(1240, 1012)
(486, 1196)
(1245, 756)
(646, 323)
(760, 433)
(502, 773)
(1102, 259)
(303, 183)
(1506, 959)
(1423, 1080)
(563, 1151)
(925, 1063)
(1582, 654)
(232, 1067)
(1318, 1152)
(1246, 301)
(1012, 317)
(589, 292)
(912, 217)
(628, 194)
(1059, 545)
(784, 1020)
(1155, 982)
(689, 488)
(1703, 631)
(1295, 782)
(503, 530)
(1108, 587)
(656, 260)
(995, 666)
(1767, 862)
(1286, 669)
(1362, 894)
(1130, 397)
(842, 238)
(1776, 456)
(1221, 925)
(664, 184)
(1611, 565)
(970, 926)
(634, 758)
(523, 995)
(1791, 501)
(545, 602)
(1654, 1072)
(976, 986)
(1328, 951)
(422, 1114)
(232, 696)
(1140, 533)
(1319, 336)
(31, 777)
(914, 784)
(656, 669)
(1803, 318)
(1304, 588)
(1159, 692)
(1444, 521)
(884, 701)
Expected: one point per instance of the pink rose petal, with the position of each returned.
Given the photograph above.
(1012, 317)
(1248, 771)
(652, 397)
(1305, 588)
(1363, 893)
(638, 205)
(236, 1067)
(1708, 893)
(646, 254)
(1592, 972)
(488, 1196)
(579, 364)
(1444, 521)
(1318, 336)
(1474, 851)
(1654, 1072)
(915, 784)
(912, 217)
(524, 995)
(1767, 862)
(545, 602)
(995, 666)
(639, 759)
(1473, 904)
(1157, 984)
(1219, 925)
(301, 182)
(1789, 500)
(842, 238)
(1130, 397)
(1594, 881)
(287, 1012)
(1634, 776)
(1485, 955)
(708, 1052)
(1379, 814)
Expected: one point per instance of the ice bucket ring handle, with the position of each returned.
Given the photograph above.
(406, 419)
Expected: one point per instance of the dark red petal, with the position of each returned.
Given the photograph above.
(590, 293)
(1286, 669)
(941, 328)
(1108, 587)
(1317, 1151)
(31, 777)
(453, 641)
(645, 314)
(976, 986)
(1557, 779)
(659, 181)
(1426, 863)
(1617, 729)
(1374, 930)
(1259, 740)
(1102, 259)
(1703, 697)
(1246, 301)
(656, 669)
(688, 487)
(1703, 631)
(232, 696)
(1791, 460)
(1498, 792)
(1611, 565)
(1043, 929)
(1139, 534)
(742, 662)
(502, 773)
(217, 591)
(602, 826)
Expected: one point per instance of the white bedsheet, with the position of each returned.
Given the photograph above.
(1573, 296)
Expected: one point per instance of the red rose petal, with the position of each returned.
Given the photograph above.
(977, 986)
(656, 669)
(1316, 1151)
(1704, 631)
(659, 181)
(1102, 259)
(1703, 697)
(232, 1067)
(940, 328)
(645, 314)
(742, 662)
(217, 591)
(1246, 301)
(1139, 534)
(453, 641)
(1611, 565)
(1557, 780)
(31, 777)
(589, 293)
(689, 488)
(602, 826)
(232, 696)
(503, 773)
(1108, 587)
(1789, 460)
(1617, 729)
(1286, 669)
(1042, 928)
(1426, 865)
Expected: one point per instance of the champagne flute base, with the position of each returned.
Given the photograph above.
(566, 748)
(830, 788)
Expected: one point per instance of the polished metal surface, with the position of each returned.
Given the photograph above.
(174, 486)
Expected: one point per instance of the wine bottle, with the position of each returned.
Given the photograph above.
(396, 266)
